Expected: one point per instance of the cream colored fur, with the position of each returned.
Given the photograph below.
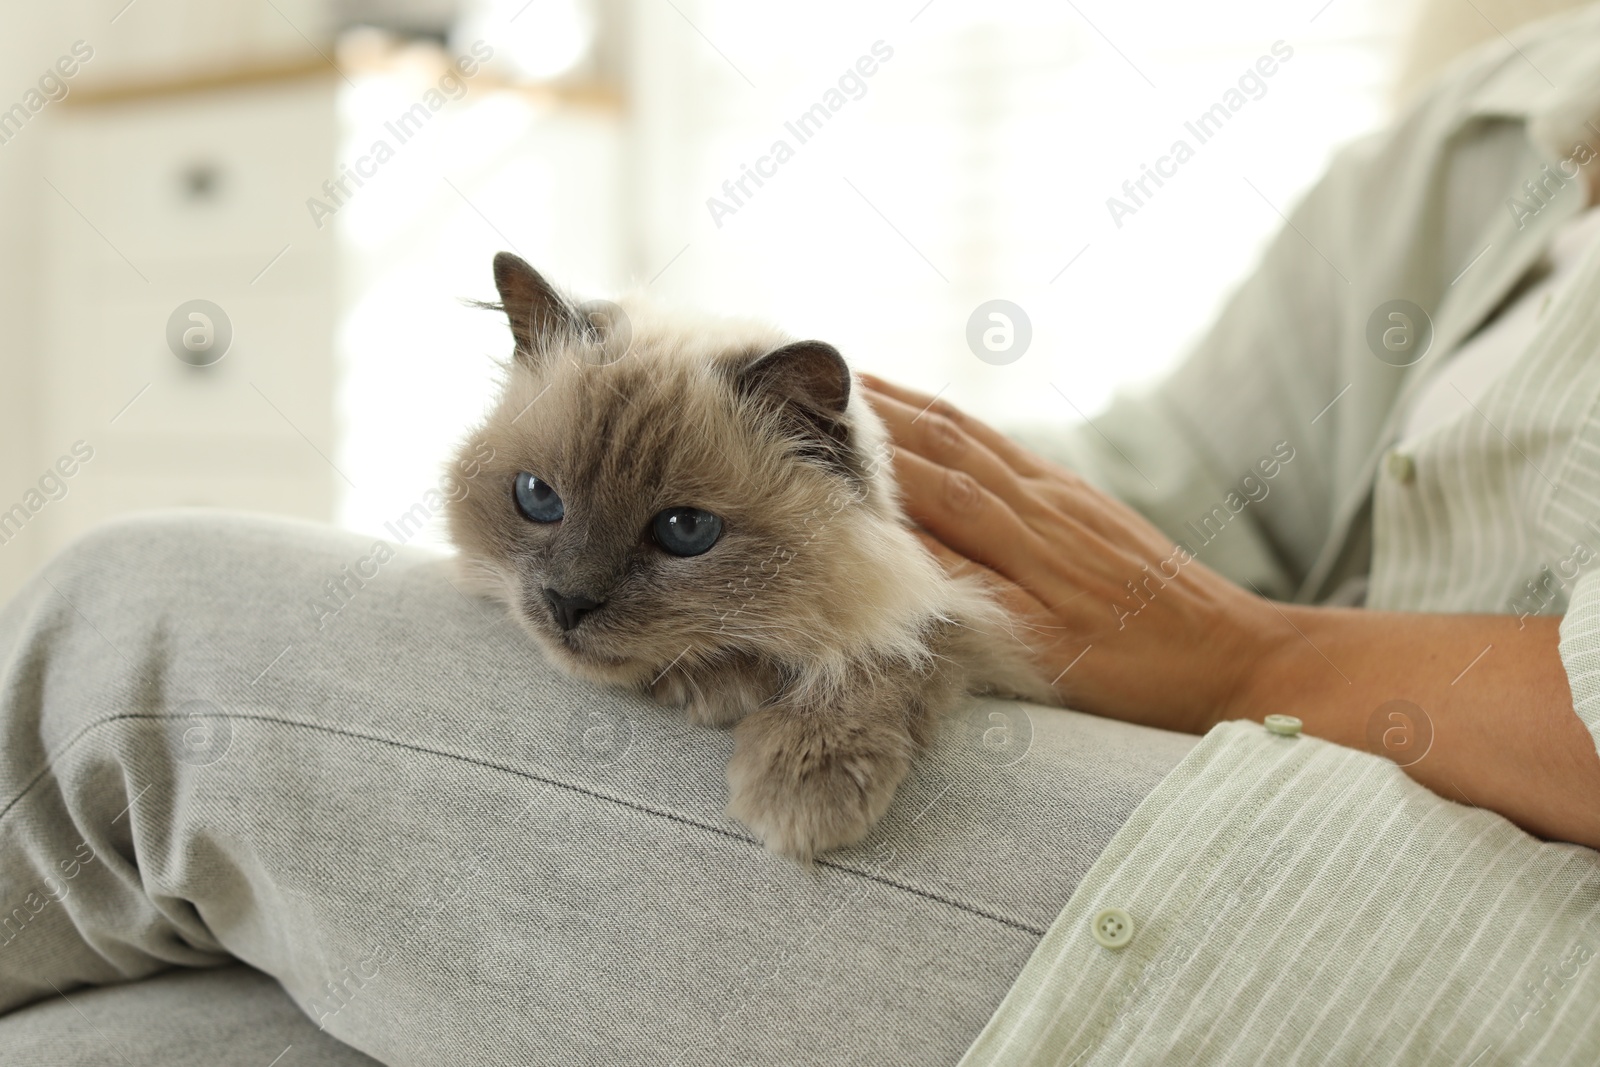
(817, 627)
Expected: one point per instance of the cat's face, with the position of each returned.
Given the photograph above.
(704, 492)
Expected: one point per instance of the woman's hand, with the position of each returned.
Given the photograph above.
(1128, 624)
(1133, 627)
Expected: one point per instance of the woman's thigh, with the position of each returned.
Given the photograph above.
(223, 1017)
(229, 736)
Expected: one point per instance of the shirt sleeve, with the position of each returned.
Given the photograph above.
(1580, 651)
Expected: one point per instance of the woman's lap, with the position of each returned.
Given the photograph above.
(224, 1017)
(445, 851)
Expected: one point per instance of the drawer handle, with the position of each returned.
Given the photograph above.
(201, 182)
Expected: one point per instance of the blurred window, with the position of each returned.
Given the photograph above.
(975, 162)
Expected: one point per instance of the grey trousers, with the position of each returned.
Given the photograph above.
(268, 789)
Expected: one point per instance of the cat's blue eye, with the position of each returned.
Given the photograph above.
(687, 531)
(536, 499)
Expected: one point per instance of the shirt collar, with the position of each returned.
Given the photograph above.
(1551, 81)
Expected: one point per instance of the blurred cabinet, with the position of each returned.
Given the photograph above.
(156, 201)
(153, 41)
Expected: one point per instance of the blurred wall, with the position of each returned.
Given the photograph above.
(974, 164)
(27, 45)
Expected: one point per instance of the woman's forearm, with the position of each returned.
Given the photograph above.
(1491, 692)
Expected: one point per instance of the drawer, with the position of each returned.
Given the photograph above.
(185, 176)
(276, 381)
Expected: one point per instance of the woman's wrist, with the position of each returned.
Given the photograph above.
(1265, 665)
(1305, 670)
(1475, 707)
(1289, 673)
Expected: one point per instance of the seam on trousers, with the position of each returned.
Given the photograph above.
(621, 801)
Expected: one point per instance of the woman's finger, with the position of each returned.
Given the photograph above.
(936, 438)
(1108, 517)
(959, 511)
(1041, 502)
(1019, 459)
(958, 566)
(954, 563)
(1032, 620)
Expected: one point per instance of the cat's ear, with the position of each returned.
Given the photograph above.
(810, 373)
(809, 382)
(536, 310)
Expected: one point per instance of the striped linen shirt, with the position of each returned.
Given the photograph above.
(1293, 901)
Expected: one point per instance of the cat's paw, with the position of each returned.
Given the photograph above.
(808, 783)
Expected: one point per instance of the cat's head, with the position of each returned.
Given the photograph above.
(665, 489)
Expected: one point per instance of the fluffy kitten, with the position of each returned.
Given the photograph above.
(702, 509)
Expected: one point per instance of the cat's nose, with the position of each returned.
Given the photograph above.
(569, 608)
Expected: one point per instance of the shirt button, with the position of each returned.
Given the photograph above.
(1283, 725)
(1112, 927)
(1402, 468)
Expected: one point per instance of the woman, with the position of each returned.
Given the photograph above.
(443, 852)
